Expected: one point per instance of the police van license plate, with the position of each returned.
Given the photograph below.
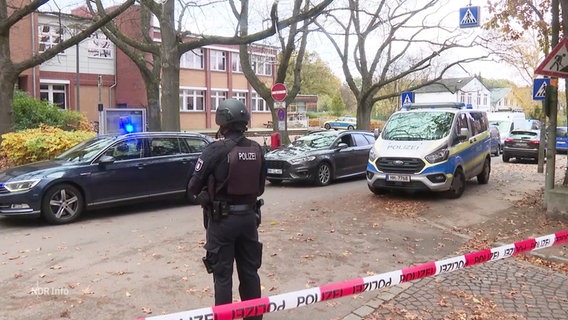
(398, 178)
(274, 171)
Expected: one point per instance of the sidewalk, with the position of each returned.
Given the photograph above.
(506, 289)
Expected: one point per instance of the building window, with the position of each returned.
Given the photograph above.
(216, 98)
(54, 93)
(261, 65)
(100, 46)
(462, 97)
(485, 99)
(218, 60)
(258, 104)
(49, 36)
(236, 62)
(191, 100)
(241, 96)
(192, 59)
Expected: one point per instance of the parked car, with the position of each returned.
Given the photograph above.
(495, 138)
(345, 122)
(105, 170)
(321, 157)
(522, 144)
(561, 139)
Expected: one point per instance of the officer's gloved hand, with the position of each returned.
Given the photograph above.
(203, 198)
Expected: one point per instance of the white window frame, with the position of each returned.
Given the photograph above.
(236, 62)
(50, 37)
(241, 96)
(216, 97)
(261, 65)
(192, 59)
(191, 99)
(100, 46)
(258, 103)
(218, 60)
(50, 91)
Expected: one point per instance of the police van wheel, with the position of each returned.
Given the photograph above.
(327, 126)
(483, 177)
(457, 187)
(323, 174)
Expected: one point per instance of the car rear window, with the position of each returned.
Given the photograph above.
(561, 132)
(523, 135)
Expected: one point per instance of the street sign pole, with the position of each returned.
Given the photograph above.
(279, 93)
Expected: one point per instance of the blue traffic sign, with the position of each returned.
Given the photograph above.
(539, 88)
(407, 97)
(469, 17)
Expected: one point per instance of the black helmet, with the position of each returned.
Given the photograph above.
(231, 111)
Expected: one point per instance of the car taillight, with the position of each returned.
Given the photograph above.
(534, 142)
(509, 140)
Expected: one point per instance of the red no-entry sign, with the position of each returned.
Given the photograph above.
(278, 92)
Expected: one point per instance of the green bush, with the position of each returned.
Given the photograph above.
(31, 113)
(41, 143)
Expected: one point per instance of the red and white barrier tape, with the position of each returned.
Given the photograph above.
(306, 297)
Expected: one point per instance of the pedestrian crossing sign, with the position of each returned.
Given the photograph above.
(407, 97)
(469, 17)
(539, 88)
(556, 63)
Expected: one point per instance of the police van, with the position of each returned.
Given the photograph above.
(431, 147)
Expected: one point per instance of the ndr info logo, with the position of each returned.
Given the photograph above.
(48, 291)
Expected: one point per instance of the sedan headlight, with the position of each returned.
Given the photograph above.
(438, 155)
(303, 159)
(373, 154)
(19, 186)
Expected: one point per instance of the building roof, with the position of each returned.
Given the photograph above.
(498, 94)
(446, 85)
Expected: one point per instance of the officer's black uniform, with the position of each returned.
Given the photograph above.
(234, 236)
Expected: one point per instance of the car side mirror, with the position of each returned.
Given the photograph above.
(376, 133)
(106, 160)
(464, 133)
(342, 145)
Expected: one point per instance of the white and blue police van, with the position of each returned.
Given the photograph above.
(431, 147)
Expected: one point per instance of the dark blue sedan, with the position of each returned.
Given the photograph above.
(105, 170)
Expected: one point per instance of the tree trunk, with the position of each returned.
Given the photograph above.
(364, 110)
(170, 69)
(8, 79)
(153, 109)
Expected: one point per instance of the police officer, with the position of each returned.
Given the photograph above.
(228, 178)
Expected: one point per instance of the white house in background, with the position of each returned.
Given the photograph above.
(504, 99)
(467, 90)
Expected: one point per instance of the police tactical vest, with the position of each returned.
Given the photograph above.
(244, 169)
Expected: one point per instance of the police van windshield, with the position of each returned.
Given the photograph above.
(409, 126)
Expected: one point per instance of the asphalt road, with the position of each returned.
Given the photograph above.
(145, 260)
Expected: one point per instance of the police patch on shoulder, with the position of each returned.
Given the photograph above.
(199, 164)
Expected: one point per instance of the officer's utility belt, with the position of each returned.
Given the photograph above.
(223, 209)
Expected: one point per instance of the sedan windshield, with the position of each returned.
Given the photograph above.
(86, 150)
(315, 141)
(407, 126)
